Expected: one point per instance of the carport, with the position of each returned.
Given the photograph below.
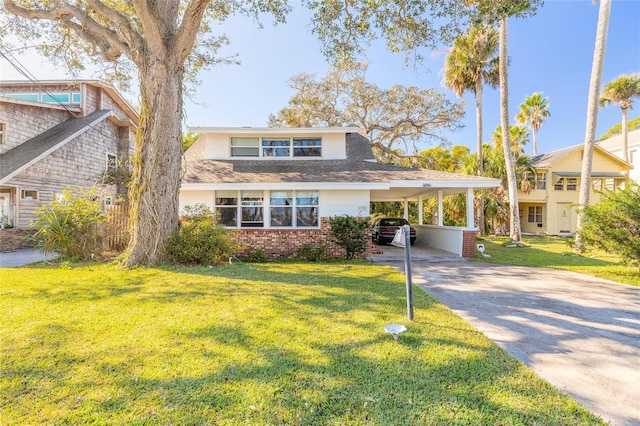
(453, 239)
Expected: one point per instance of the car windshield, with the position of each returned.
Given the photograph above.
(392, 222)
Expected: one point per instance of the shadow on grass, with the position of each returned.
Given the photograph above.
(267, 346)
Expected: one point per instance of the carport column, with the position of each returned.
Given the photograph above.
(420, 212)
(470, 216)
(406, 208)
(440, 196)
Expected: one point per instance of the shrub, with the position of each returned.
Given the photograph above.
(350, 233)
(71, 225)
(312, 253)
(613, 224)
(200, 239)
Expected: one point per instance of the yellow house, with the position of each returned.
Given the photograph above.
(550, 208)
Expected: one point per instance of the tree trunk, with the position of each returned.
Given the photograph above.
(592, 115)
(625, 135)
(155, 182)
(479, 153)
(535, 143)
(514, 210)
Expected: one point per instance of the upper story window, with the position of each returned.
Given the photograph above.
(48, 98)
(566, 184)
(276, 147)
(3, 130)
(245, 147)
(307, 147)
(541, 180)
(112, 162)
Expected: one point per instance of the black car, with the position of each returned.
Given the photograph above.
(384, 229)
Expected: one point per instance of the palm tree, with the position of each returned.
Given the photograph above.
(470, 64)
(515, 233)
(621, 91)
(604, 12)
(534, 110)
(518, 135)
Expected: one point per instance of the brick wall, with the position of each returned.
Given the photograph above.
(14, 239)
(283, 243)
(468, 243)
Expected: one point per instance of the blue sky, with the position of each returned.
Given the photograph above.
(550, 52)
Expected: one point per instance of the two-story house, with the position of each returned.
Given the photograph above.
(278, 187)
(614, 146)
(56, 135)
(550, 208)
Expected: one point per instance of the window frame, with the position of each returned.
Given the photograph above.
(3, 132)
(541, 181)
(536, 215)
(245, 146)
(23, 194)
(278, 147)
(65, 98)
(267, 205)
(111, 162)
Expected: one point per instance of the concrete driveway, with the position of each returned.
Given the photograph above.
(581, 334)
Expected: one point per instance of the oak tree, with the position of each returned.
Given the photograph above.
(397, 120)
(163, 42)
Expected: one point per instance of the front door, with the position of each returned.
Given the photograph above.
(564, 218)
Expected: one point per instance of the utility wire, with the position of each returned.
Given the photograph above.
(9, 57)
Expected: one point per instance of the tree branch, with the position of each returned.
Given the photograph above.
(77, 19)
(151, 25)
(189, 28)
(129, 36)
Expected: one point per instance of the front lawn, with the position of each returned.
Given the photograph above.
(556, 252)
(245, 344)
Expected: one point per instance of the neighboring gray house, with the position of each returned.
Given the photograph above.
(56, 135)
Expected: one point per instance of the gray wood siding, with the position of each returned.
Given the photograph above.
(25, 122)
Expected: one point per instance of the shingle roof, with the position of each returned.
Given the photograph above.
(359, 166)
(20, 157)
(548, 158)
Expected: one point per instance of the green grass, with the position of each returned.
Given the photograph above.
(556, 252)
(261, 344)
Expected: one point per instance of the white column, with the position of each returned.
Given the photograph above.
(420, 212)
(406, 209)
(440, 197)
(470, 215)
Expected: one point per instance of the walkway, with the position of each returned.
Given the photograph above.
(581, 334)
(22, 257)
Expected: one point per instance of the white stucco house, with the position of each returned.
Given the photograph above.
(278, 187)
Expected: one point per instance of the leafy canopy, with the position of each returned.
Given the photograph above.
(621, 91)
(534, 110)
(117, 37)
